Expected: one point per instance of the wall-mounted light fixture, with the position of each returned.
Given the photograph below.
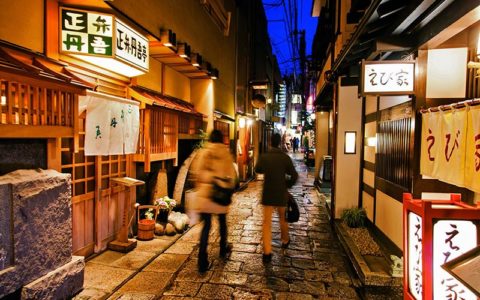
(371, 141)
(249, 122)
(168, 38)
(183, 50)
(214, 74)
(350, 142)
(3, 101)
(196, 60)
(269, 101)
(241, 122)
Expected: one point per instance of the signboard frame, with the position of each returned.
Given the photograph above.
(453, 265)
(389, 62)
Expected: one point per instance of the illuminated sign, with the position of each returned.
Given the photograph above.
(131, 46)
(260, 87)
(103, 40)
(415, 255)
(86, 33)
(451, 238)
(388, 78)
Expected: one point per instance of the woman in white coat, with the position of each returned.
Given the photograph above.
(213, 163)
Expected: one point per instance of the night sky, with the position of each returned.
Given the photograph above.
(280, 16)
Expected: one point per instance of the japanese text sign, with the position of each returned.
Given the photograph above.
(415, 246)
(131, 46)
(388, 78)
(451, 238)
(88, 33)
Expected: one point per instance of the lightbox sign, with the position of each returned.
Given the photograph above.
(86, 33)
(388, 78)
(131, 46)
(103, 40)
(415, 266)
(451, 238)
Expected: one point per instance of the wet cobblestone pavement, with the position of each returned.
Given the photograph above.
(313, 267)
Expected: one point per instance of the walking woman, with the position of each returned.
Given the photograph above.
(275, 165)
(213, 163)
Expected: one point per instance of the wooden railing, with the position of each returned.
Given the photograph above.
(158, 135)
(27, 105)
(189, 124)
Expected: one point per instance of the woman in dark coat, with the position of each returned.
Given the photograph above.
(275, 165)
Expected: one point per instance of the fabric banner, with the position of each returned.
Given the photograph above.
(112, 124)
(132, 122)
(451, 159)
(97, 127)
(472, 159)
(430, 145)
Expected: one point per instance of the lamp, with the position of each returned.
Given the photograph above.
(249, 122)
(168, 38)
(214, 74)
(241, 122)
(196, 59)
(371, 141)
(350, 142)
(3, 101)
(183, 50)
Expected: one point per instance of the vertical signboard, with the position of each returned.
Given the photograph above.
(131, 46)
(415, 265)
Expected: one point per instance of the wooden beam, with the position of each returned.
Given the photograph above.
(146, 134)
(54, 154)
(76, 127)
(27, 131)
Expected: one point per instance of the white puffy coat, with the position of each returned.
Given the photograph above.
(214, 159)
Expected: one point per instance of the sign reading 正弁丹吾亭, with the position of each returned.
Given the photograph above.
(388, 78)
(88, 33)
(131, 46)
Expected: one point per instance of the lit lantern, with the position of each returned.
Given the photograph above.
(435, 232)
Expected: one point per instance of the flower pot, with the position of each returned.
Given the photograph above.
(162, 216)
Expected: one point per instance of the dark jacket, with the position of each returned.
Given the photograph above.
(275, 165)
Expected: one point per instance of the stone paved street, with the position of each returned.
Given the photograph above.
(313, 267)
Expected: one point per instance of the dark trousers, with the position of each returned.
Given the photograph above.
(207, 223)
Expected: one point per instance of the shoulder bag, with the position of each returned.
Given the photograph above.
(292, 212)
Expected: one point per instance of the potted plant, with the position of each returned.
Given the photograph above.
(165, 205)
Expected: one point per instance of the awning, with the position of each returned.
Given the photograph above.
(390, 30)
(23, 65)
(150, 97)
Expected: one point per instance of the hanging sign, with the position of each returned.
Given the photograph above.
(388, 77)
(131, 46)
(103, 40)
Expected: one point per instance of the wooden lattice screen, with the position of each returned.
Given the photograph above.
(162, 128)
(24, 104)
(393, 152)
(224, 127)
(189, 124)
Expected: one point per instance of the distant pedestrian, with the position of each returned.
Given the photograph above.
(213, 163)
(275, 165)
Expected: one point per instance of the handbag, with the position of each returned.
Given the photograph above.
(221, 195)
(292, 212)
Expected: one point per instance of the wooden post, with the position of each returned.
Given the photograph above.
(54, 150)
(146, 133)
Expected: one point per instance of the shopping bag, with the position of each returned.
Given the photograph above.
(292, 212)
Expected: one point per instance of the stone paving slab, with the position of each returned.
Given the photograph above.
(313, 267)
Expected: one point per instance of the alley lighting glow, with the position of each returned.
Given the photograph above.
(269, 100)
(111, 64)
(3, 100)
(478, 45)
(241, 122)
(249, 122)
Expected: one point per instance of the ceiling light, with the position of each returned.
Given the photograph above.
(183, 50)
(196, 60)
(168, 38)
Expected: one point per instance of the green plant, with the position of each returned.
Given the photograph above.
(354, 217)
(203, 137)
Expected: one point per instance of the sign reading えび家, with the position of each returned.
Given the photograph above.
(388, 78)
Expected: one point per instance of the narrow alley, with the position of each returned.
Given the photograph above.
(313, 266)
